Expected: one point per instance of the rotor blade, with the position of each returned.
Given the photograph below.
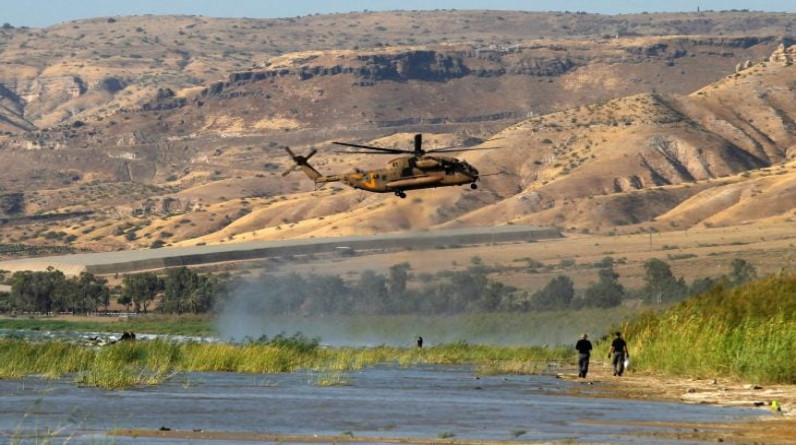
(369, 147)
(367, 152)
(454, 148)
(451, 149)
(298, 159)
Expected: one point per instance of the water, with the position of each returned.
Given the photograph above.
(94, 337)
(420, 402)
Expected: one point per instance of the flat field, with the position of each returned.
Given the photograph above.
(690, 253)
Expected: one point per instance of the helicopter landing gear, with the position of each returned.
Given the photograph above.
(400, 194)
(473, 186)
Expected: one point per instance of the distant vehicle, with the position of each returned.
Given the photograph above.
(419, 169)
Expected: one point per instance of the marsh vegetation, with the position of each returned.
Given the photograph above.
(127, 364)
(744, 331)
(747, 332)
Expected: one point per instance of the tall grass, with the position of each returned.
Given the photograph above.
(747, 332)
(126, 364)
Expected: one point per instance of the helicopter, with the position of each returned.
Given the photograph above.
(417, 169)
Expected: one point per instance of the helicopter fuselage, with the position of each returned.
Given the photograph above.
(409, 173)
(418, 170)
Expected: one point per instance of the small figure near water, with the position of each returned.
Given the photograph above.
(620, 352)
(419, 342)
(584, 352)
(127, 336)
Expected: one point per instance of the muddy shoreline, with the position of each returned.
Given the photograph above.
(773, 426)
(768, 427)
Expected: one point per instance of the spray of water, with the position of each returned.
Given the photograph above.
(270, 306)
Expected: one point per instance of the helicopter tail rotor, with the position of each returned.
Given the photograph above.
(301, 163)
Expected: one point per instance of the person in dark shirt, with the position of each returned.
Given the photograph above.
(584, 351)
(419, 342)
(620, 352)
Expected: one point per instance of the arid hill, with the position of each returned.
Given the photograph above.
(129, 131)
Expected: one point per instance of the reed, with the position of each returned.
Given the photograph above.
(746, 333)
(332, 379)
(126, 364)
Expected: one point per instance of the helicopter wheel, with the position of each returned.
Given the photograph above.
(473, 186)
(400, 194)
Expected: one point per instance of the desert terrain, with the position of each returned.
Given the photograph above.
(146, 131)
(639, 136)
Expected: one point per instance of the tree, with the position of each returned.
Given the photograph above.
(179, 284)
(557, 294)
(140, 289)
(742, 271)
(468, 287)
(203, 297)
(701, 285)
(660, 284)
(399, 276)
(6, 304)
(91, 292)
(494, 296)
(293, 291)
(606, 292)
(40, 291)
(328, 294)
(371, 293)
(124, 298)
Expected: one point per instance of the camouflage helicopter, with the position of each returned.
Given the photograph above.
(417, 169)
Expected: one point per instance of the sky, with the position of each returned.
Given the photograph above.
(43, 13)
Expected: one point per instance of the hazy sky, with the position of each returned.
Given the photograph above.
(42, 13)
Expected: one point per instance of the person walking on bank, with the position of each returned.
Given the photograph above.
(620, 352)
(584, 351)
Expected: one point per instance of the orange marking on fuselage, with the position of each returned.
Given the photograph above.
(369, 184)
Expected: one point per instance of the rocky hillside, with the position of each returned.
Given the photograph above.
(665, 161)
(169, 129)
(88, 68)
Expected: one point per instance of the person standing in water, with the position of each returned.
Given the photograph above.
(584, 352)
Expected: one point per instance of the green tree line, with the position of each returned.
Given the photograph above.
(399, 291)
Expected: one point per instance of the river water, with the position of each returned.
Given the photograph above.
(420, 402)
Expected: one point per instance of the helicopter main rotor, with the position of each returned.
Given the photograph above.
(417, 152)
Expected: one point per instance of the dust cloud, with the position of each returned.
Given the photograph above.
(262, 308)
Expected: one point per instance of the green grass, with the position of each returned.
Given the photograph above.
(746, 333)
(126, 364)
